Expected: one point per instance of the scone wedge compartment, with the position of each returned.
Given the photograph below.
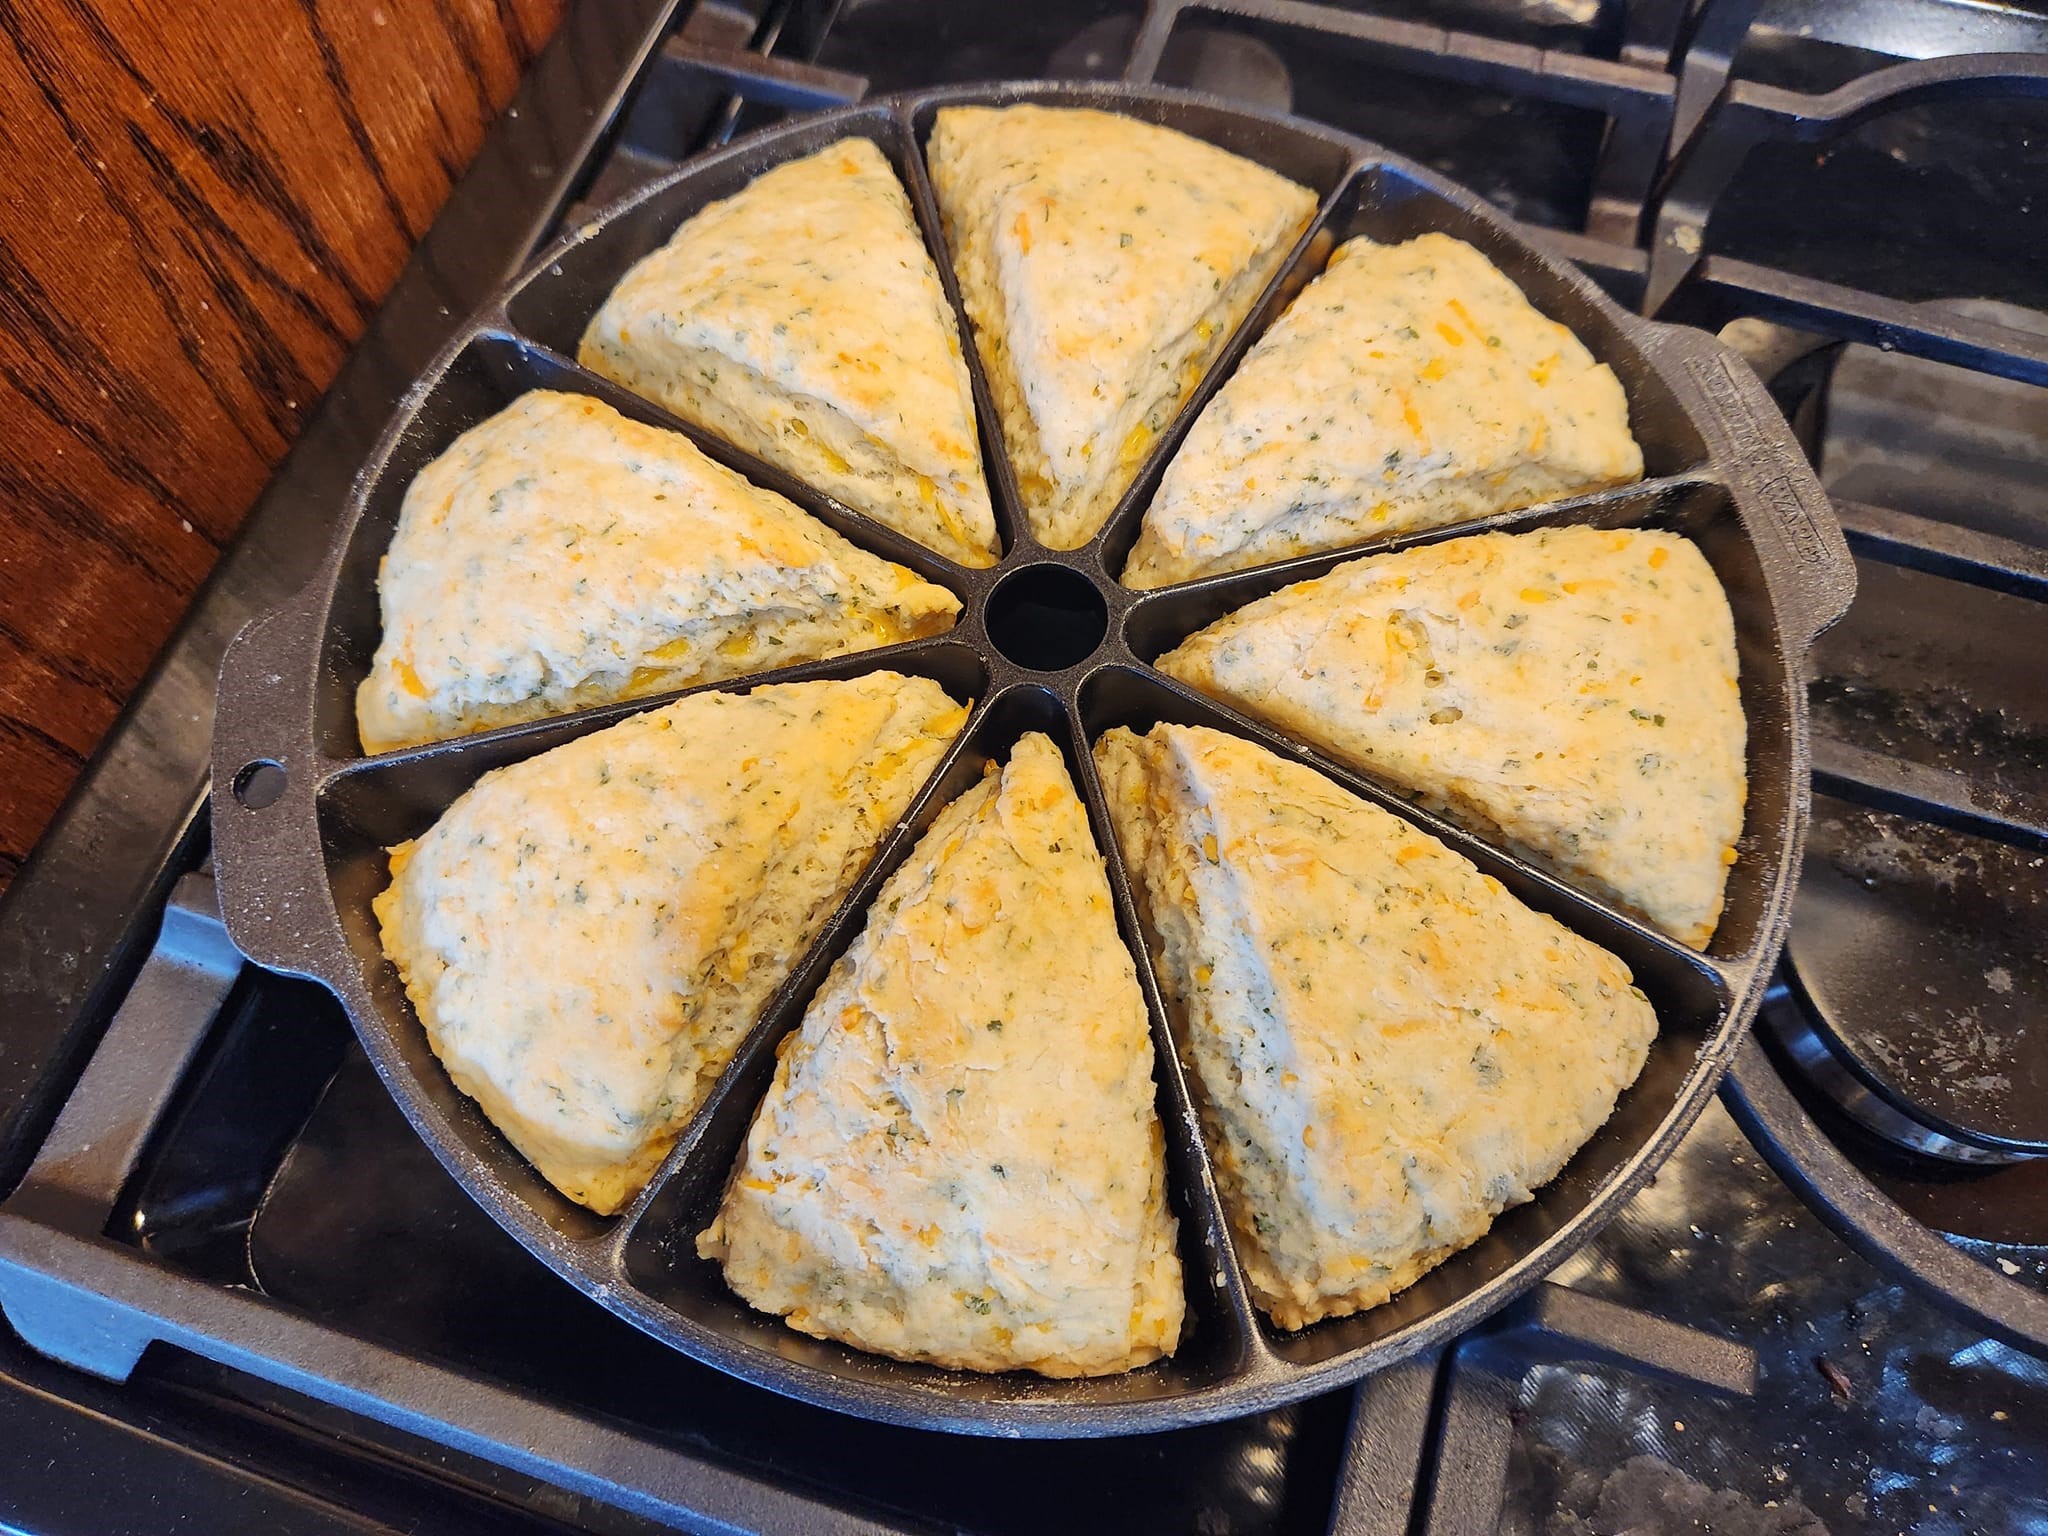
(997, 884)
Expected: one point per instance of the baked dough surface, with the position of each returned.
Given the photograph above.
(586, 935)
(560, 555)
(802, 320)
(959, 1160)
(1571, 692)
(1391, 1049)
(1409, 386)
(1104, 263)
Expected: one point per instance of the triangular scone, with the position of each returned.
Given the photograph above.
(1409, 386)
(1104, 263)
(560, 555)
(586, 935)
(1392, 1050)
(1571, 691)
(802, 319)
(959, 1160)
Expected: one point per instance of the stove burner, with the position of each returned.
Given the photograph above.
(1097, 51)
(1915, 970)
(1230, 64)
(1989, 1210)
(1915, 986)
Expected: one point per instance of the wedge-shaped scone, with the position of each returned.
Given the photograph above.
(560, 555)
(1571, 692)
(959, 1160)
(803, 320)
(1392, 1050)
(586, 935)
(1409, 386)
(1104, 263)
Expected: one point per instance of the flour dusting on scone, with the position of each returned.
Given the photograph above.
(959, 1160)
(1572, 691)
(586, 935)
(559, 555)
(1104, 263)
(1391, 1049)
(802, 320)
(1409, 386)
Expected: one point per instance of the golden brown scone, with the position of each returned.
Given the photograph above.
(1391, 1049)
(1571, 691)
(1104, 263)
(586, 935)
(1409, 386)
(560, 555)
(802, 319)
(959, 1160)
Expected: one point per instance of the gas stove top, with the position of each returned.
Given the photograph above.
(243, 1295)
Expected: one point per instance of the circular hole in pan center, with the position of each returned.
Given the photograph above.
(1046, 617)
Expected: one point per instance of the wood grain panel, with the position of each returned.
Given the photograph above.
(200, 208)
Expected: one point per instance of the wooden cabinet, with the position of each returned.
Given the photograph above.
(200, 208)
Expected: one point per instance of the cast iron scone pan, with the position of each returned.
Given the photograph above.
(1048, 641)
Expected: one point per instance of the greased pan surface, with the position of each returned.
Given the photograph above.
(301, 815)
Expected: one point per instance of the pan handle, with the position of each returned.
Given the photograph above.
(1805, 556)
(266, 780)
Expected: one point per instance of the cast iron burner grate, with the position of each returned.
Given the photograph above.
(361, 1228)
(358, 1293)
(286, 1288)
